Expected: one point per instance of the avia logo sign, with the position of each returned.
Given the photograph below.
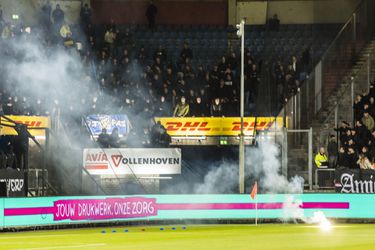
(98, 160)
(96, 157)
(116, 159)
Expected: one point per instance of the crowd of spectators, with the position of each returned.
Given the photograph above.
(153, 86)
(136, 83)
(355, 147)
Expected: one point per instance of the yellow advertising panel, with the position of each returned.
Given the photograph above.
(217, 126)
(34, 124)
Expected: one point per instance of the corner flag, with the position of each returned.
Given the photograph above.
(254, 192)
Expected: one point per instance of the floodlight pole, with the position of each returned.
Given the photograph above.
(241, 172)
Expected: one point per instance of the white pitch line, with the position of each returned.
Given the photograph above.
(63, 247)
(37, 236)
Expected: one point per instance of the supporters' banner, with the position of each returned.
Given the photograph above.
(354, 180)
(217, 126)
(14, 180)
(97, 122)
(119, 161)
(35, 124)
(35, 211)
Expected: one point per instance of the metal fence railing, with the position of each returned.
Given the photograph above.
(332, 71)
(332, 74)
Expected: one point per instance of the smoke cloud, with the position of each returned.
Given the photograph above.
(262, 165)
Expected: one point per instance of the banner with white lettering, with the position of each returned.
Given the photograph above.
(354, 180)
(117, 161)
(14, 179)
(97, 122)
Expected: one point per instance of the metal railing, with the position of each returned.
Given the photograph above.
(311, 105)
(331, 71)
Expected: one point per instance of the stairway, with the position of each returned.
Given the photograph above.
(324, 122)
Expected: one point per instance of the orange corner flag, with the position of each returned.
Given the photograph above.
(254, 192)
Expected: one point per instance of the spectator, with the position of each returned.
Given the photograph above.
(162, 108)
(58, 16)
(306, 59)
(321, 160)
(332, 151)
(364, 162)
(216, 109)
(45, 17)
(182, 108)
(151, 13)
(85, 15)
(7, 31)
(186, 53)
(342, 160)
(368, 121)
(274, 23)
(104, 139)
(352, 159)
(159, 136)
(110, 38)
(114, 139)
(357, 108)
(161, 54)
(199, 109)
(296, 67)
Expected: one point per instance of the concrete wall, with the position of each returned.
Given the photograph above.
(296, 12)
(28, 10)
(169, 11)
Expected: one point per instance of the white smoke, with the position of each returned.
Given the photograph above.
(265, 166)
(220, 180)
(262, 165)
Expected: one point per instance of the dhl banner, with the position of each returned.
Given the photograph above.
(34, 124)
(217, 126)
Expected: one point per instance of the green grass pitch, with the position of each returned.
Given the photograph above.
(195, 237)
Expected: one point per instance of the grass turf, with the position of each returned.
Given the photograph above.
(270, 236)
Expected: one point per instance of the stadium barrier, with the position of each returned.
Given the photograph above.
(35, 124)
(96, 123)
(354, 180)
(14, 183)
(218, 126)
(120, 161)
(46, 211)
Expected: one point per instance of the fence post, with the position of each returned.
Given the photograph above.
(354, 28)
(336, 115)
(352, 97)
(284, 158)
(310, 159)
(368, 72)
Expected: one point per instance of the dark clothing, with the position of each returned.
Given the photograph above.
(58, 17)
(151, 12)
(104, 140)
(162, 109)
(332, 148)
(186, 53)
(216, 110)
(342, 160)
(274, 24)
(85, 16)
(199, 110)
(114, 141)
(352, 161)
